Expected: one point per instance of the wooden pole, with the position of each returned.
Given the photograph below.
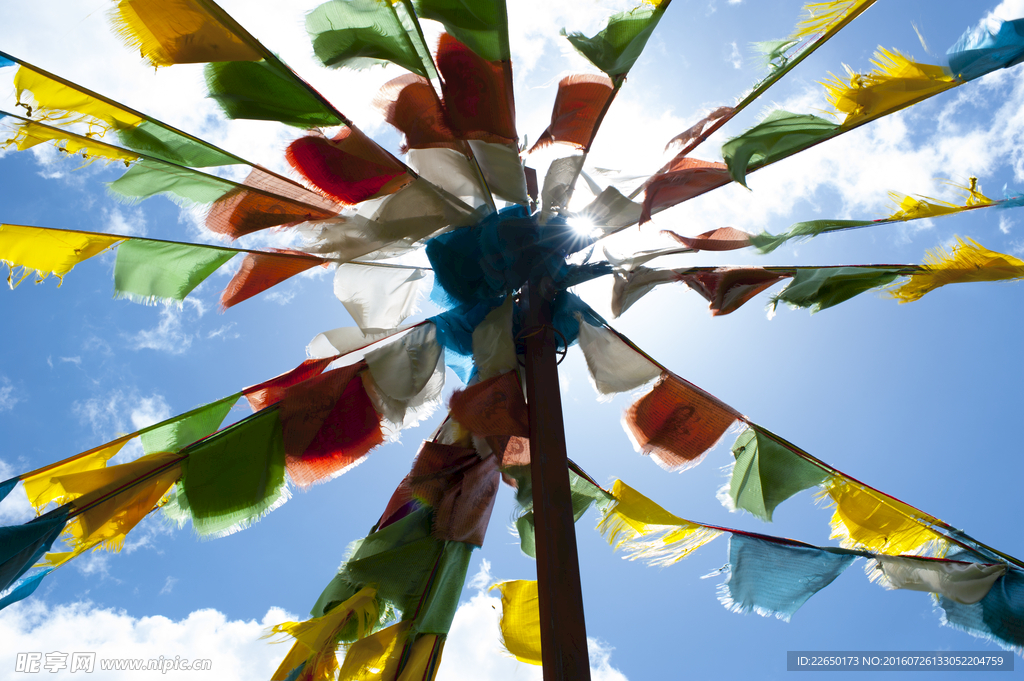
(562, 629)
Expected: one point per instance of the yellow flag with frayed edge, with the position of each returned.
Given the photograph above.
(520, 619)
(105, 515)
(167, 32)
(65, 104)
(821, 16)
(973, 196)
(316, 639)
(867, 519)
(969, 261)
(896, 82)
(647, 531)
(44, 487)
(916, 208)
(47, 251)
(28, 134)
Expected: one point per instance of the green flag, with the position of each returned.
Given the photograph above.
(766, 243)
(259, 90)
(480, 25)
(820, 288)
(361, 33)
(149, 271)
(616, 48)
(766, 474)
(776, 137)
(188, 428)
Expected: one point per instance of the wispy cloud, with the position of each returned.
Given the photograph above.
(170, 335)
(77, 361)
(131, 221)
(121, 411)
(168, 585)
(735, 58)
(8, 398)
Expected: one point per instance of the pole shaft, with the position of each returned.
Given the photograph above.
(562, 628)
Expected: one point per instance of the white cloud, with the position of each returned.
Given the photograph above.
(14, 509)
(735, 58)
(150, 410)
(77, 361)
(130, 221)
(168, 336)
(234, 646)
(7, 396)
(121, 412)
(168, 585)
(1005, 224)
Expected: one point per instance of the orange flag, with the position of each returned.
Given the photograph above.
(685, 179)
(477, 95)
(410, 104)
(492, 407)
(260, 271)
(581, 99)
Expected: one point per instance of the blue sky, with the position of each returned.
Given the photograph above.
(918, 400)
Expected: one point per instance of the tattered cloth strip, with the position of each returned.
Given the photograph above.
(184, 186)
(27, 134)
(379, 298)
(109, 502)
(821, 288)
(329, 425)
(776, 578)
(695, 130)
(721, 239)
(520, 619)
(614, 366)
(232, 478)
(683, 180)
(871, 520)
(766, 243)
(896, 82)
(401, 369)
(968, 262)
(349, 168)
(616, 48)
(727, 288)
(677, 422)
(991, 45)
(957, 581)
(481, 25)
(63, 103)
(376, 657)
(477, 95)
(265, 200)
(357, 34)
(457, 484)
(492, 407)
(503, 170)
(317, 639)
(47, 251)
(181, 432)
(260, 271)
(494, 348)
(766, 473)
(455, 332)
(178, 32)
(410, 103)
(999, 616)
(647, 531)
(611, 211)
(779, 135)
(580, 101)
(582, 492)
(270, 392)
(911, 208)
(21, 546)
(154, 271)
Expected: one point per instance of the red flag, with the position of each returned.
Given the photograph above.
(260, 271)
(477, 94)
(492, 407)
(264, 394)
(727, 288)
(676, 422)
(721, 239)
(410, 104)
(581, 99)
(329, 424)
(243, 211)
(349, 168)
(685, 179)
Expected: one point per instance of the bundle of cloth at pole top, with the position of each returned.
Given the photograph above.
(358, 207)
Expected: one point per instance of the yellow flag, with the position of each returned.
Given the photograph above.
(897, 82)
(823, 16)
(316, 638)
(42, 487)
(67, 104)
(648, 531)
(28, 134)
(520, 619)
(869, 520)
(104, 514)
(422, 664)
(968, 262)
(47, 250)
(376, 657)
(179, 32)
(910, 208)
